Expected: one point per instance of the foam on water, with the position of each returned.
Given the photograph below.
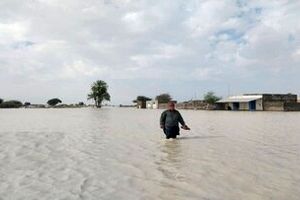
(122, 154)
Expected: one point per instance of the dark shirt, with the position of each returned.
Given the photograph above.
(171, 118)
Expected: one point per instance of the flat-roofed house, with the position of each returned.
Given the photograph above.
(260, 102)
(243, 102)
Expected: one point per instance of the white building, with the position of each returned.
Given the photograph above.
(243, 102)
(152, 104)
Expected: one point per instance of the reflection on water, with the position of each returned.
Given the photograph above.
(170, 166)
(199, 137)
(171, 162)
(122, 154)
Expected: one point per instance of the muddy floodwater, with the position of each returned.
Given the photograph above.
(115, 153)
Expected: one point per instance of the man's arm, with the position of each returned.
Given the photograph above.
(180, 119)
(163, 120)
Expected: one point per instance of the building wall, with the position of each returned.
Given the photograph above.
(274, 106)
(151, 104)
(289, 98)
(276, 102)
(162, 106)
(195, 105)
(244, 106)
(259, 105)
(269, 102)
(141, 104)
(192, 105)
(292, 106)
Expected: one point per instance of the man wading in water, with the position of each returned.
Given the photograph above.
(169, 121)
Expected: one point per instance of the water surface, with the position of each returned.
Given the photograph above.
(114, 153)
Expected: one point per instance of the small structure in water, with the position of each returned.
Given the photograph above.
(152, 104)
(141, 102)
(260, 102)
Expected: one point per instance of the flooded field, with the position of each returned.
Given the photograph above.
(122, 154)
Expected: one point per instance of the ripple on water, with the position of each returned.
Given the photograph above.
(121, 154)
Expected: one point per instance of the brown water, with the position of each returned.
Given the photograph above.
(122, 154)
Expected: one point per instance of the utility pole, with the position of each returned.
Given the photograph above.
(228, 90)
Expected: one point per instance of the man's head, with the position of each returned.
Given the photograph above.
(171, 105)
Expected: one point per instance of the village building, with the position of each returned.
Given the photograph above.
(141, 104)
(152, 104)
(260, 102)
(195, 105)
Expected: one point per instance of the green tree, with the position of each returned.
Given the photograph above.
(1, 101)
(163, 98)
(54, 102)
(99, 93)
(11, 104)
(211, 98)
(141, 101)
(142, 98)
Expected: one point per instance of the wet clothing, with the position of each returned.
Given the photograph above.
(171, 132)
(170, 120)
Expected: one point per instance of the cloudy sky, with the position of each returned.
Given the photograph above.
(57, 48)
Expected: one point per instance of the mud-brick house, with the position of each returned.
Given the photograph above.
(141, 102)
(155, 104)
(260, 102)
(195, 105)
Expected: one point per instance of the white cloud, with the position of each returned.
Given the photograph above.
(163, 42)
(205, 73)
(80, 68)
(12, 32)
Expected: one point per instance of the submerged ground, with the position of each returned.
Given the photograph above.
(121, 154)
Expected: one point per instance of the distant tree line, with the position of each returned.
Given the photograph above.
(99, 93)
(55, 102)
(10, 104)
(162, 98)
(209, 98)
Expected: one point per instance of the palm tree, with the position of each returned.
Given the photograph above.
(99, 93)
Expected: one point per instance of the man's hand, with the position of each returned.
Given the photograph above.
(185, 127)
